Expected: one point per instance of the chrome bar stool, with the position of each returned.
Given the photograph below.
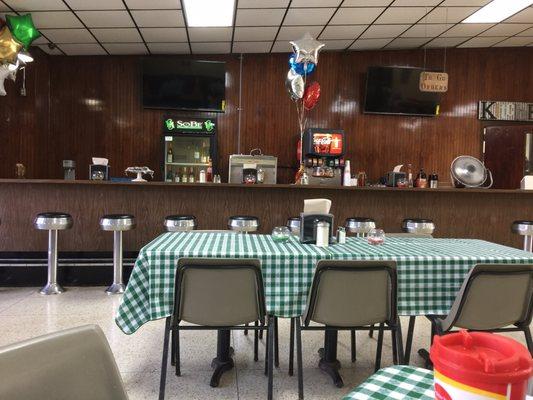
(243, 223)
(524, 228)
(418, 225)
(293, 223)
(52, 222)
(359, 225)
(117, 223)
(180, 223)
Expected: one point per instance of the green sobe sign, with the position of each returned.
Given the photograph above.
(189, 125)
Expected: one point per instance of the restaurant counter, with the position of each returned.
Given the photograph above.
(463, 213)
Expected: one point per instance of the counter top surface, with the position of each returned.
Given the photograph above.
(445, 189)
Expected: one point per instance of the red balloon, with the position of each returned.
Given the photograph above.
(311, 95)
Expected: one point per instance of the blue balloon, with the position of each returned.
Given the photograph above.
(299, 68)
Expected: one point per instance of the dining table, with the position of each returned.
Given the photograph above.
(430, 271)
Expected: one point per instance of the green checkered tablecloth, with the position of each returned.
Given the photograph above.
(430, 271)
(398, 382)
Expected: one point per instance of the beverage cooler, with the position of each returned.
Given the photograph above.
(189, 149)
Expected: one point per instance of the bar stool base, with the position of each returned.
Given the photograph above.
(51, 288)
(116, 288)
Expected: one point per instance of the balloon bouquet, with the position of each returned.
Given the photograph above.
(16, 35)
(303, 63)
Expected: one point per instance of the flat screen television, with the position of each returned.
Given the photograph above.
(395, 90)
(170, 83)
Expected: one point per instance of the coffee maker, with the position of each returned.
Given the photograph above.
(323, 156)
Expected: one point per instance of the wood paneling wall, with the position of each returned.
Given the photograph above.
(79, 107)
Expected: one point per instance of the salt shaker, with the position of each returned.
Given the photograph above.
(322, 234)
(341, 235)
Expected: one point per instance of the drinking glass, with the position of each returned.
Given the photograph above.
(376, 237)
(281, 234)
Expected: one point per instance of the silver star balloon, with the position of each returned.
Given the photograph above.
(307, 49)
(4, 73)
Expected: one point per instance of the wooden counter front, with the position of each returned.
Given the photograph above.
(466, 213)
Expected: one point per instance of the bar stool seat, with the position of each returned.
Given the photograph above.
(418, 225)
(243, 223)
(293, 223)
(52, 222)
(524, 228)
(117, 223)
(361, 226)
(180, 223)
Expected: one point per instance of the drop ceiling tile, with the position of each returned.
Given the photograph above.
(366, 3)
(259, 17)
(466, 30)
(40, 40)
(426, 30)
(153, 4)
(55, 19)
(210, 34)
(163, 35)
(315, 3)
(353, 16)
(369, 44)
(158, 18)
(251, 47)
(529, 32)
(505, 29)
(448, 15)
(117, 35)
(53, 52)
(515, 41)
(255, 33)
(481, 41)
(525, 16)
(59, 36)
(125, 48)
(263, 4)
(383, 31)
(281, 46)
(406, 43)
(402, 15)
(35, 5)
(96, 4)
(211, 48)
(342, 31)
(107, 19)
(295, 32)
(90, 49)
(308, 16)
(410, 3)
(455, 3)
(336, 44)
(169, 48)
(446, 42)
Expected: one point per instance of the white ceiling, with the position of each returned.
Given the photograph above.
(100, 27)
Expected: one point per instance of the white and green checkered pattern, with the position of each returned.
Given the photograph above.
(398, 382)
(430, 271)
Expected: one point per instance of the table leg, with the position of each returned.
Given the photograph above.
(328, 361)
(223, 361)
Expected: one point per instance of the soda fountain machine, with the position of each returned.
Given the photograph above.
(323, 156)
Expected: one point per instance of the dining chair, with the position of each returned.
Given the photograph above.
(348, 295)
(217, 294)
(75, 363)
(493, 298)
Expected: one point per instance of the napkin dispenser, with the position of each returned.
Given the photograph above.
(308, 224)
(393, 177)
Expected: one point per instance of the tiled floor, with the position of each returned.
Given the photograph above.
(24, 314)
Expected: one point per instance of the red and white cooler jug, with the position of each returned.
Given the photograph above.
(480, 366)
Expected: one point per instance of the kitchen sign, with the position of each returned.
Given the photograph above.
(179, 125)
(505, 111)
(433, 82)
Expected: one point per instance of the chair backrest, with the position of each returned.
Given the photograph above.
(71, 364)
(352, 293)
(493, 296)
(219, 292)
(410, 235)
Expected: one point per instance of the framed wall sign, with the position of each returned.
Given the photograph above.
(189, 125)
(433, 82)
(505, 111)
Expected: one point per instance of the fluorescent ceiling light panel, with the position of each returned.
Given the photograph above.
(208, 13)
(497, 11)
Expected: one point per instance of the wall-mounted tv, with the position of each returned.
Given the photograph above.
(176, 84)
(395, 90)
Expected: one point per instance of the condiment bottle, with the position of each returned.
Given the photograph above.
(409, 175)
(433, 181)
(361, 179)
(347, 178)
(421, 179)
